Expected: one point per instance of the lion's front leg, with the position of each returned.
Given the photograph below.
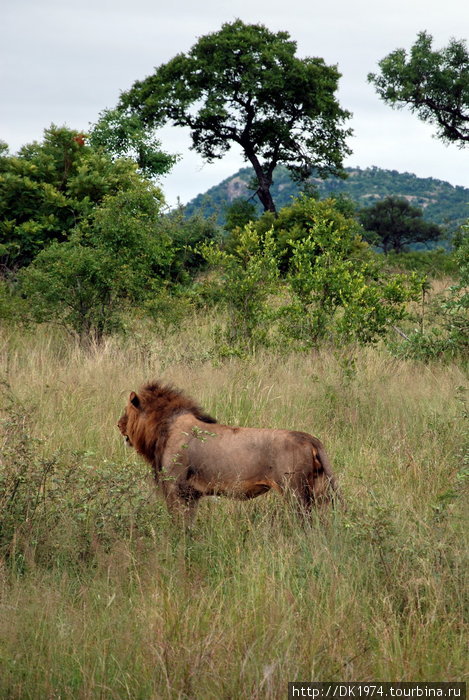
(181, 500)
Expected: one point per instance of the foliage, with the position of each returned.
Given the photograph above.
(126, 136)
(394, 223)
(112, 261)
(244, 85)
(326, 281)
(247, 279)
(296, 222)
(435, 264)
(447, 336)
(338, 288)
(457, 306)
(13, 309)
(49, 188)
(434, 84)
(186, 234)
(239, 213)
(442, 203)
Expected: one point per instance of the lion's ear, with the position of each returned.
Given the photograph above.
(134, 400)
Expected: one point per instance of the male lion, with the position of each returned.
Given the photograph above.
(194, 456)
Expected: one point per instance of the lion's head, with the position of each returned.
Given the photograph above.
(123, 422)
(146, 420)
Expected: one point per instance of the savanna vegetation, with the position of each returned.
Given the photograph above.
(441, 203)
(102, 597)
(432, 83)
(289, 319)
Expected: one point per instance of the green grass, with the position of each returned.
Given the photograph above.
(101, 596)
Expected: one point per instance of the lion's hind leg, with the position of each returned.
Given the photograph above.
(297, 489)
(321, 489)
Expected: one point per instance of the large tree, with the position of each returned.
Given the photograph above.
(50, 187)
(434, 84)
(393, 223)
(244, 84)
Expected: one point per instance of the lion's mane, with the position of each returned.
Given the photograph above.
(161, 404)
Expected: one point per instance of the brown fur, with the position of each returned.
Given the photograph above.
(196, 456)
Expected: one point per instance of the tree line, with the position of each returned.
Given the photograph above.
(85, 237)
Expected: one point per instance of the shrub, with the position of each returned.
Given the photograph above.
(433, 263)
(247, 278)
(115, 260)
(66, 504)
(339, 295)
(308, 277)
(449, 335)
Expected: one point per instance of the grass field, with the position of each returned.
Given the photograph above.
(102, 597)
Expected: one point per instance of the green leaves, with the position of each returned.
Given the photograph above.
(247, 278)
(304, 278)
(50, 188)
(124, 135)
(244, 85)
(113, 260)
(338, 290)
(395, 223)
(434, 84)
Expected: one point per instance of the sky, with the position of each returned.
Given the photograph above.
(63, 62)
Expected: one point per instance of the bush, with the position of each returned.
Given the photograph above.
(247, 278)
(114, 261)
(50, 187)
(339, 295)
(307, 278)
(64, 505)
(449, 335)
(433, 263)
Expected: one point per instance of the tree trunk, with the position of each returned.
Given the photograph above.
(263, 192)
(264, 179)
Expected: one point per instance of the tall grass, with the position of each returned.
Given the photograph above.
(102, 597)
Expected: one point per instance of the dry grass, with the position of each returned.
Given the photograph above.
(100, 606)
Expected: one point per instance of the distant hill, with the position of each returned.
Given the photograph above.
(441, 202)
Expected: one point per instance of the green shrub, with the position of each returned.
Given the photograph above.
(65, 505)
(114, 261)
(448, 335)
(433, 263)
(306, 279)
(247, 278)
(339, 295)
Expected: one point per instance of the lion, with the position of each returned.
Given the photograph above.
(192, 455)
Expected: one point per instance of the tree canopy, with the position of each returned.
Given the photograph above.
(394, 223)
(434, 84)
(244, 85)
(125, 136)
(111, 262)
(48, 188)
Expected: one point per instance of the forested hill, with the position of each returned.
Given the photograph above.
(441, 202)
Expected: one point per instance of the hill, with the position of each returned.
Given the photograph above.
(441, 202)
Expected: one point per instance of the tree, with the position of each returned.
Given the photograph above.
(394, 223)
(126, 137)
(239, 213)
(329, 285)
(48, 188)
(111, 262)
(244, 85)
(434, 84)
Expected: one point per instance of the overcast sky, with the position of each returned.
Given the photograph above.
(63, 62)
